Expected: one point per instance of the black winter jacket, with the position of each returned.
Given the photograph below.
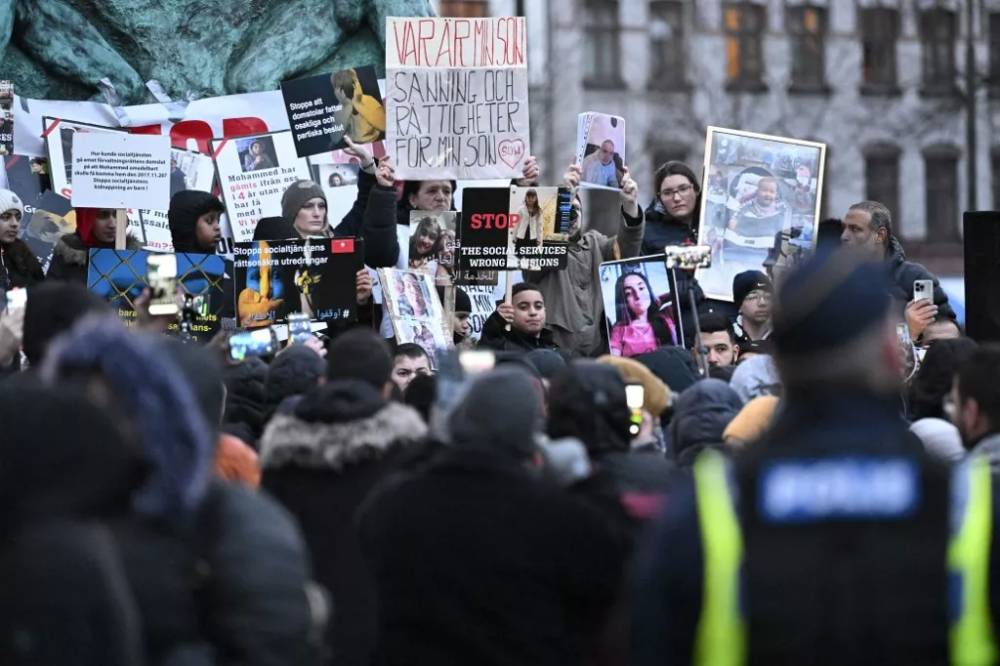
(70, 257)
(19, 268)
(373, 217)
(478, 562)
(320, 460)
(904, 273)
(496, 337)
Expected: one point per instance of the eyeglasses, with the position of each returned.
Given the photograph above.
(682, 190)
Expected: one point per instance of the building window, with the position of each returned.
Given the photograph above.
(807, 26)
(744, 25)
(666, 33)
(879, 31)
(464, 8)
(882, 176)
(937, 49)
(941, 188)
(602, 50)
(994, 78)
(668, 152)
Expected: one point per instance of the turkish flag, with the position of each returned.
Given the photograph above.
(342, 246)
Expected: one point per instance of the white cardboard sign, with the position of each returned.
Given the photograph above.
(119, 170)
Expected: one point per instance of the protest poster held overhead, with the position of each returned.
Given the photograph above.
(120, 276)
(457, 97)
(760, 204)
(433, 236)
(640, 305)
(254, 172)
(600, 151)
(313, 276)
(415, 308)
(120, 170)
(323, 109)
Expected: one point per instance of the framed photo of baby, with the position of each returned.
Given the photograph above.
(760, 205)
(640, 306)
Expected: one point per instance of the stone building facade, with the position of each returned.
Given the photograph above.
(881, 82)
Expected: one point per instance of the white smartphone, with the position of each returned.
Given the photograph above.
(161, 273)
(923, 290)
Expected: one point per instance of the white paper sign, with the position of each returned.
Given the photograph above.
(118, 170)
(457, 97)
(254, 172)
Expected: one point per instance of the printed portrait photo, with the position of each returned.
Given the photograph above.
(601, 149)
(362, 114)
(432, 245)
(257, 153)
(640, 305)
(760, 207)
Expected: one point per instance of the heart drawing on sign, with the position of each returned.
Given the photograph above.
(511, 151)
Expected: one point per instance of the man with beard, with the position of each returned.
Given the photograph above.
(976, 397)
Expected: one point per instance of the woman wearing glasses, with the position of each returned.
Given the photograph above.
(672, 216)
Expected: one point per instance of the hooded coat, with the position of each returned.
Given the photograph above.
(701, 414)
(480, 561)
(219, 573)
(186, 207)
(320, 461)
(65, 600)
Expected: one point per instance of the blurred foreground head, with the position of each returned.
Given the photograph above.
(833, 329)
(500, 413)
(137, 379)
(587, 401)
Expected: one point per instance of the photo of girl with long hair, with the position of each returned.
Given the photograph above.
(432, 245)
(639, 302)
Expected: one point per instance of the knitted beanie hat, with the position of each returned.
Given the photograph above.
(296, 196)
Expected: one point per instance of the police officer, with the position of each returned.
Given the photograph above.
(833, 539)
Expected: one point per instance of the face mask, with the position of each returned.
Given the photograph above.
(802, 180)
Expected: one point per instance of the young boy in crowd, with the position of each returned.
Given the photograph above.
(752, 295)
(525, 315)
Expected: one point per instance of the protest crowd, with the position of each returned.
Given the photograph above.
(797, 471)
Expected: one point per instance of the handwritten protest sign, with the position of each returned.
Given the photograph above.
(254, 172)
(457, 97)
(119, 170)
(323, 109)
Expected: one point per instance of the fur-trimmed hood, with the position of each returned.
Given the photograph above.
(338, 425)
(72, 250)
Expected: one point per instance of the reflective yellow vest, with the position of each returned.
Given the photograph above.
(720, 638)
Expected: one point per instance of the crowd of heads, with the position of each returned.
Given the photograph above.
(176, 419)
